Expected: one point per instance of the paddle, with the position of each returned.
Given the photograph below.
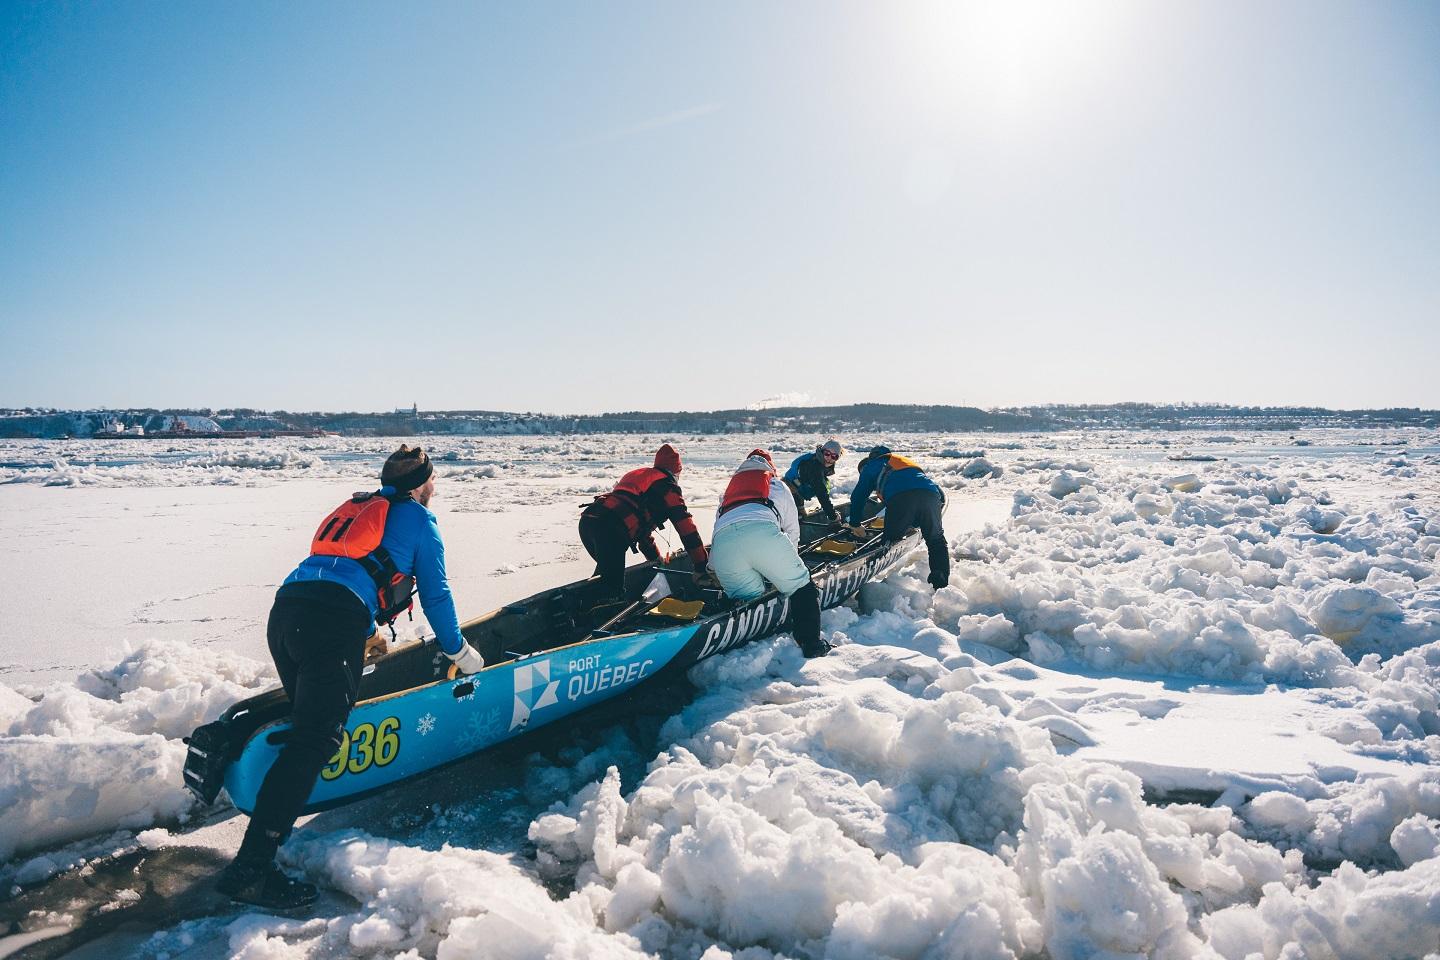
(658, 589)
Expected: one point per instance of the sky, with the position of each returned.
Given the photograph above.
(629, 206)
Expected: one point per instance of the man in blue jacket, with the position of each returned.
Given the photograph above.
(324, 613)
(911, 500)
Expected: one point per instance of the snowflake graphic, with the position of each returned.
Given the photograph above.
(481, 730)
(474, 733)
(425, 724)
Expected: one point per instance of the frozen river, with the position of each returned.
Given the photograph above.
(992, 769)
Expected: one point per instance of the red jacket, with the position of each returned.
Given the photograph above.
(643, 500)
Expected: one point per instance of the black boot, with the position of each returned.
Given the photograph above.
(939, 562)
(264, 885)
(817, 648)
(805, 621)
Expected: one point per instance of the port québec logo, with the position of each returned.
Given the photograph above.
(534, 690)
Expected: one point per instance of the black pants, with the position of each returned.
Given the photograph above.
(805, 615)
(920, 508)
(606, 540)
(317, 635)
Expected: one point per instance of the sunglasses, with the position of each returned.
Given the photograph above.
(832, 457)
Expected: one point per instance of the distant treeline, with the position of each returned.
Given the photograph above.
(860, 417)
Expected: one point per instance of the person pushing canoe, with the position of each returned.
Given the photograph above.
(366, 560)
(757, 535)
(911, 500)
(809, 478)
(627, 517)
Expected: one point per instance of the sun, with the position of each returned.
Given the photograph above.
(1014, 57)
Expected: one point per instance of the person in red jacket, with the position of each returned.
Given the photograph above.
(627, 517)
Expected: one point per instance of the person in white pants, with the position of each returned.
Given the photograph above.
(756, 541)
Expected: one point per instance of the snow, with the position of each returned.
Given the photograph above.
(60, 754)
(1152, 715)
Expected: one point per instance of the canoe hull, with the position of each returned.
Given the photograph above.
(393, 738)
(403, 734)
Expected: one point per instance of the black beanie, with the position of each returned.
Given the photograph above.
(407, 469)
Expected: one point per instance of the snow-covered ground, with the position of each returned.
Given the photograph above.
(1166, 708)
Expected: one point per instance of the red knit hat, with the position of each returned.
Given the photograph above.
(667, 458)
(763, 454)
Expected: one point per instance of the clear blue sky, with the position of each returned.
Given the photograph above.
(602, 206)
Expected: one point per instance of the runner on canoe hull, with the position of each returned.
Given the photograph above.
(757, 532)
(809, 478)
(627, 517)
(365, 559)
(911, 500)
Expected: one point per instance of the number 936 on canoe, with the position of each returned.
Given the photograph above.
(368, 745)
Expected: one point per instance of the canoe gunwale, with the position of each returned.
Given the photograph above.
(866, 550)
(667, 646)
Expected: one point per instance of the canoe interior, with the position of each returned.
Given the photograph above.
(548, 620)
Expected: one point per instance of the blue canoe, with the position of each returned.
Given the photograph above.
(548, 659)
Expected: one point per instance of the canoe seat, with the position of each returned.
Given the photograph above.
(674, 608)
(875, 523)
(836, 548)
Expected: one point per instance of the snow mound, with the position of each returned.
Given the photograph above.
(105, 753)
(450, 902)
(873, 807)
(1138, 572)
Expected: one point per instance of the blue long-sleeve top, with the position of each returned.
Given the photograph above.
(412, 536)
(897, 481)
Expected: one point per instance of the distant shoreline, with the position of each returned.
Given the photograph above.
(191, 423)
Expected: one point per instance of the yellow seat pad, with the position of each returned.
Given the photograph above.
(677, 609)
(836, 548)
(875, 523)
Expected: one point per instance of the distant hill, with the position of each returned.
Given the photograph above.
(859, 417)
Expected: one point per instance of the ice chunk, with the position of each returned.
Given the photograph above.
(1184, 483)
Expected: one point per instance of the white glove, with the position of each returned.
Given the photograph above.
(468, 659)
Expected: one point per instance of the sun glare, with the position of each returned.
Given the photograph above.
(1008, 58)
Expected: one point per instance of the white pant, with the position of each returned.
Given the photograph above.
(746, 554)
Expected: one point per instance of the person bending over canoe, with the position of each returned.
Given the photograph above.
(757, 535)
(365, 559)
(809, 478)
(627, 517)
(911, 500)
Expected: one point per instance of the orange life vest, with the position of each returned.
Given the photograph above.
(627, 502)
(893, 462)
(637, 481)
(747, 486)
(354, 529)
